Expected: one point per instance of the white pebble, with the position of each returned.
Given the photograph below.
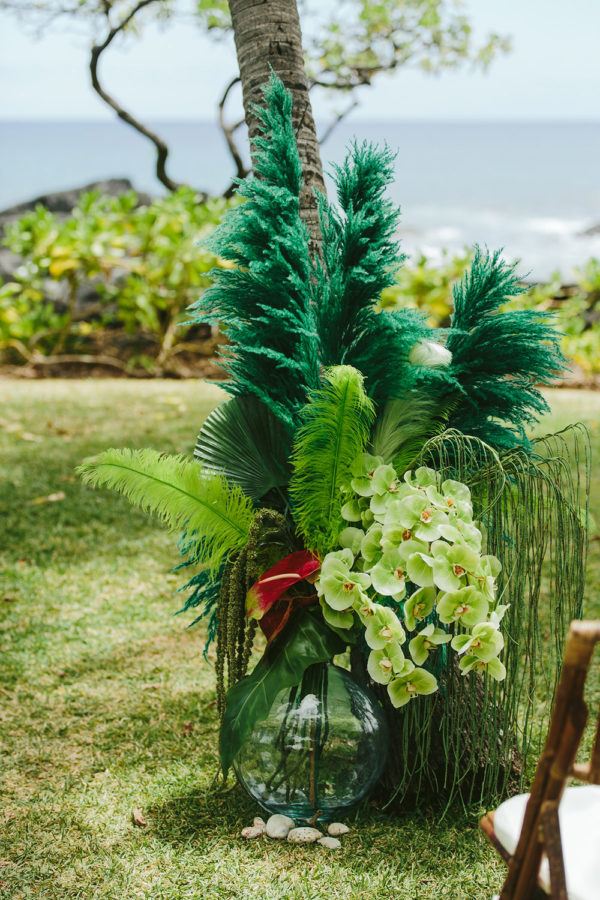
(251, 832)
(330, 842)
(304, 835)
(278, 827)
(337, 828)
(259, 823)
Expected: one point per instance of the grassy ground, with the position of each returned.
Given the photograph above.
(107, 706)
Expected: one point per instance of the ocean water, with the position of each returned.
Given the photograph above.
(531, 188)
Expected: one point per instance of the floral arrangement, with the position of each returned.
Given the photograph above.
(420, 537)
(337, 499)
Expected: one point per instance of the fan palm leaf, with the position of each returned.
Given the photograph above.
(242, 440)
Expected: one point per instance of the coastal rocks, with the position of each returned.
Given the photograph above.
(331, 843)
(62, 202)
(304, 835)
(335, 829)
(278, 827)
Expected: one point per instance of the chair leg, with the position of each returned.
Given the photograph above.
(550, 828)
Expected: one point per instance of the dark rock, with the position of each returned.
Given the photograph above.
(62, 202)
(593, 231)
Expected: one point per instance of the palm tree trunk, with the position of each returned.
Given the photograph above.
(267, 35)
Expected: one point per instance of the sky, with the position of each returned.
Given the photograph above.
(553, 72)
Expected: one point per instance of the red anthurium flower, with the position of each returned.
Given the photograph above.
(275, 581)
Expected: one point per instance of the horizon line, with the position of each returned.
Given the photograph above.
(516, 120)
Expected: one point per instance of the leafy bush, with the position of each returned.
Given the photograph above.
(144, 265)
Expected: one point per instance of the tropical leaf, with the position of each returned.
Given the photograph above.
(307, 640)
(335, 430)
(403, 427)
(176, 490)
(243, 441)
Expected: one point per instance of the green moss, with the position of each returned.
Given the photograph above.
(107, 705)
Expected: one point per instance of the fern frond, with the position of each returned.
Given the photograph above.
(335, 430)
(264, 302)
(175, 489)
(404, 426)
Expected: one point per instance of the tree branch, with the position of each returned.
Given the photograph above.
(339, 118)
(162, 150)
(229, 135)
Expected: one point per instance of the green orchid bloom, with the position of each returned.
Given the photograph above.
(452, 564)
(338, 584)
(419, 568)
(384, 628)
(351, 539)
(389, 575)
(410, 684)
(494, 668)
(452, 497)
(460, 531)
(466, 605)
(485, 642)
(422, 477)
(383, 664)
(485, 576)
(385, 489)
(335, 617)
(426, 641)
(366, 516)
(415, 513)
(370, 548)
(418, 606)
(362, 472)
(351, 511)
(366, 608)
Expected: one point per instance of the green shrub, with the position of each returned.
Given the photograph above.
(145, 264)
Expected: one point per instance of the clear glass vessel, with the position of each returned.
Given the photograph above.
(320, 750)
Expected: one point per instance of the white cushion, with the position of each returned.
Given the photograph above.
(579, 816)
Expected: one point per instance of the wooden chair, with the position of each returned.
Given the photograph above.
(535, 854)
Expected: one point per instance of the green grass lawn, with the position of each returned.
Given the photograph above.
(106, 704)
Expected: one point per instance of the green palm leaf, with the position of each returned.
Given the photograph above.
(336, 427)
(176, 490)
(243, 441)
(403, 427)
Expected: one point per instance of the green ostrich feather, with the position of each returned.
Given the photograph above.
(264, 302)
(334, 432)
(176, 490)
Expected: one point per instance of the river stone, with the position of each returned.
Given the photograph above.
(278, 827)
(259, 823)
(304, 835)
(330, 842)
(252, 832)
(337, 828)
